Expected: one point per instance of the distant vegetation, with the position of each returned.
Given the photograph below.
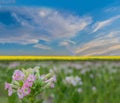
(77, 81)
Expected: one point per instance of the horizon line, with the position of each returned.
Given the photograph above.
(30, 57)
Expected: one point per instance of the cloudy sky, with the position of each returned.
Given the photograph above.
(60, 27)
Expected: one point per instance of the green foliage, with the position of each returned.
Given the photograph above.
(101, 83)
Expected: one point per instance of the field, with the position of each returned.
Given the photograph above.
(77, 81)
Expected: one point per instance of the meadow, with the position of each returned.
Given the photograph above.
(77, 81)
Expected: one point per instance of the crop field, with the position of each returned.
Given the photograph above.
(76, 81)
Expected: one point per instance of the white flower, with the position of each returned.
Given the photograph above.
(91, 76)
(81, 83)
(94, 88)
(79, 90)
(73, 80)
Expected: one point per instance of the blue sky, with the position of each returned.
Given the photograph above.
(59, 27)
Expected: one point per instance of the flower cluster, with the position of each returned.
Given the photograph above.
(73, 80)
(29, 82)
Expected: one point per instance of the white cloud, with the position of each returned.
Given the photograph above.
(69, 44)
(40, 46)
(102, 24)
(105, 51)
(63, 43)
(34, 24)
(101, 45)
(112, 9)
(59, 25)
(19, 41)
(66, 43)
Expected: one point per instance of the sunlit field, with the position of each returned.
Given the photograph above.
(77, 81)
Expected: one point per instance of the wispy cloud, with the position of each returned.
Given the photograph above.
(105, 51)
(101, 45)
(101, 24)
(18, 41)
(42, 46)
(66, 43)
(112, 9)
(69, 44)
(34, 24)
(52, 30)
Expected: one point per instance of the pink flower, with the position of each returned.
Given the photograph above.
(18, 75)
(20, 93)
(52, 85)
(54, 78)
(7, 86)
(10, 91)
(28, 83)
(25, 90)
(31, 78)
(23, 82)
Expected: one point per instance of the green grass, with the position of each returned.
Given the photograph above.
(100, 81)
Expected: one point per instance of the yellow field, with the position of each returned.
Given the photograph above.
(59, 57)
